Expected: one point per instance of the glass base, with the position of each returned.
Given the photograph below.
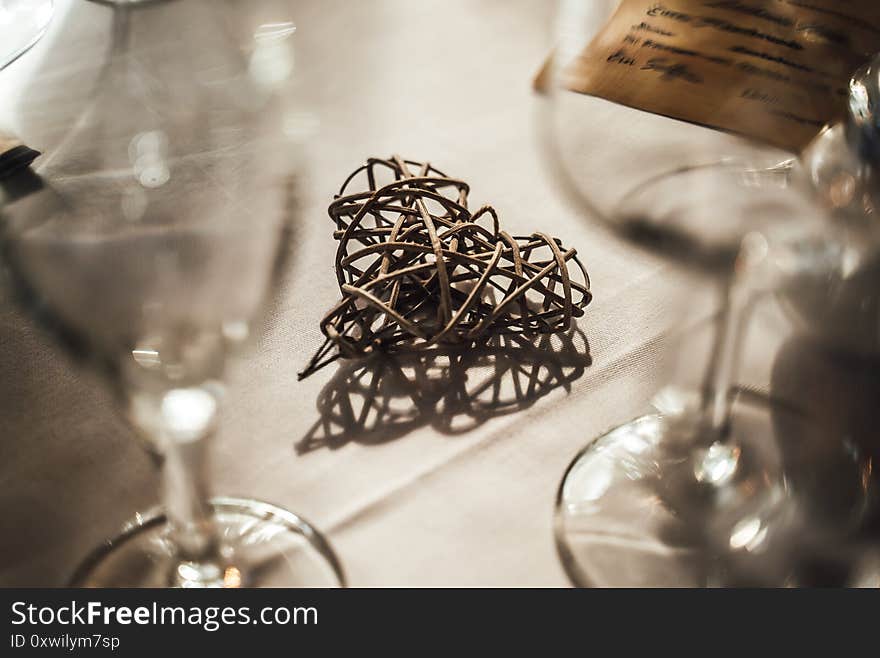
(265, 546)
(641, 507)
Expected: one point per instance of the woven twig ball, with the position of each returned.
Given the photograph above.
(418, 269)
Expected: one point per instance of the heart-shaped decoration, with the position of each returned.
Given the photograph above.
(417, 269)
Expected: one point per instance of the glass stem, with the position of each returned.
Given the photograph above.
(188, 416)
(186, 494)
(724, 361)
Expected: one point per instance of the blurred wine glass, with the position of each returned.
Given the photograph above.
(22, 23)
(698, 492)
(151, 243)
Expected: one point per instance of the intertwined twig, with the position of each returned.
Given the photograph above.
(417, 269)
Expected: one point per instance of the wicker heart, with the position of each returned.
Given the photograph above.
(417, 269)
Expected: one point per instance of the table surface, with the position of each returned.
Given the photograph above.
(444, 501)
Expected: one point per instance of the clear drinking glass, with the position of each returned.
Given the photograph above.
(151, 242)
(22, 23)
(697, 493)
(826, 276)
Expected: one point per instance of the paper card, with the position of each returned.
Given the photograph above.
(773, 70)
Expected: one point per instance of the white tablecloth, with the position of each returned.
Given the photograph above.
(448, 81)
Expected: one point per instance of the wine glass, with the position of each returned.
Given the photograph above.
(697, 493)
(22, 24)
(151, 243)
(826, 276)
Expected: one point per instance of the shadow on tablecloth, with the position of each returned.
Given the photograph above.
(454, 390)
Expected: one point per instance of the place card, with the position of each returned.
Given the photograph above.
(773, 70)
(14, 155)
